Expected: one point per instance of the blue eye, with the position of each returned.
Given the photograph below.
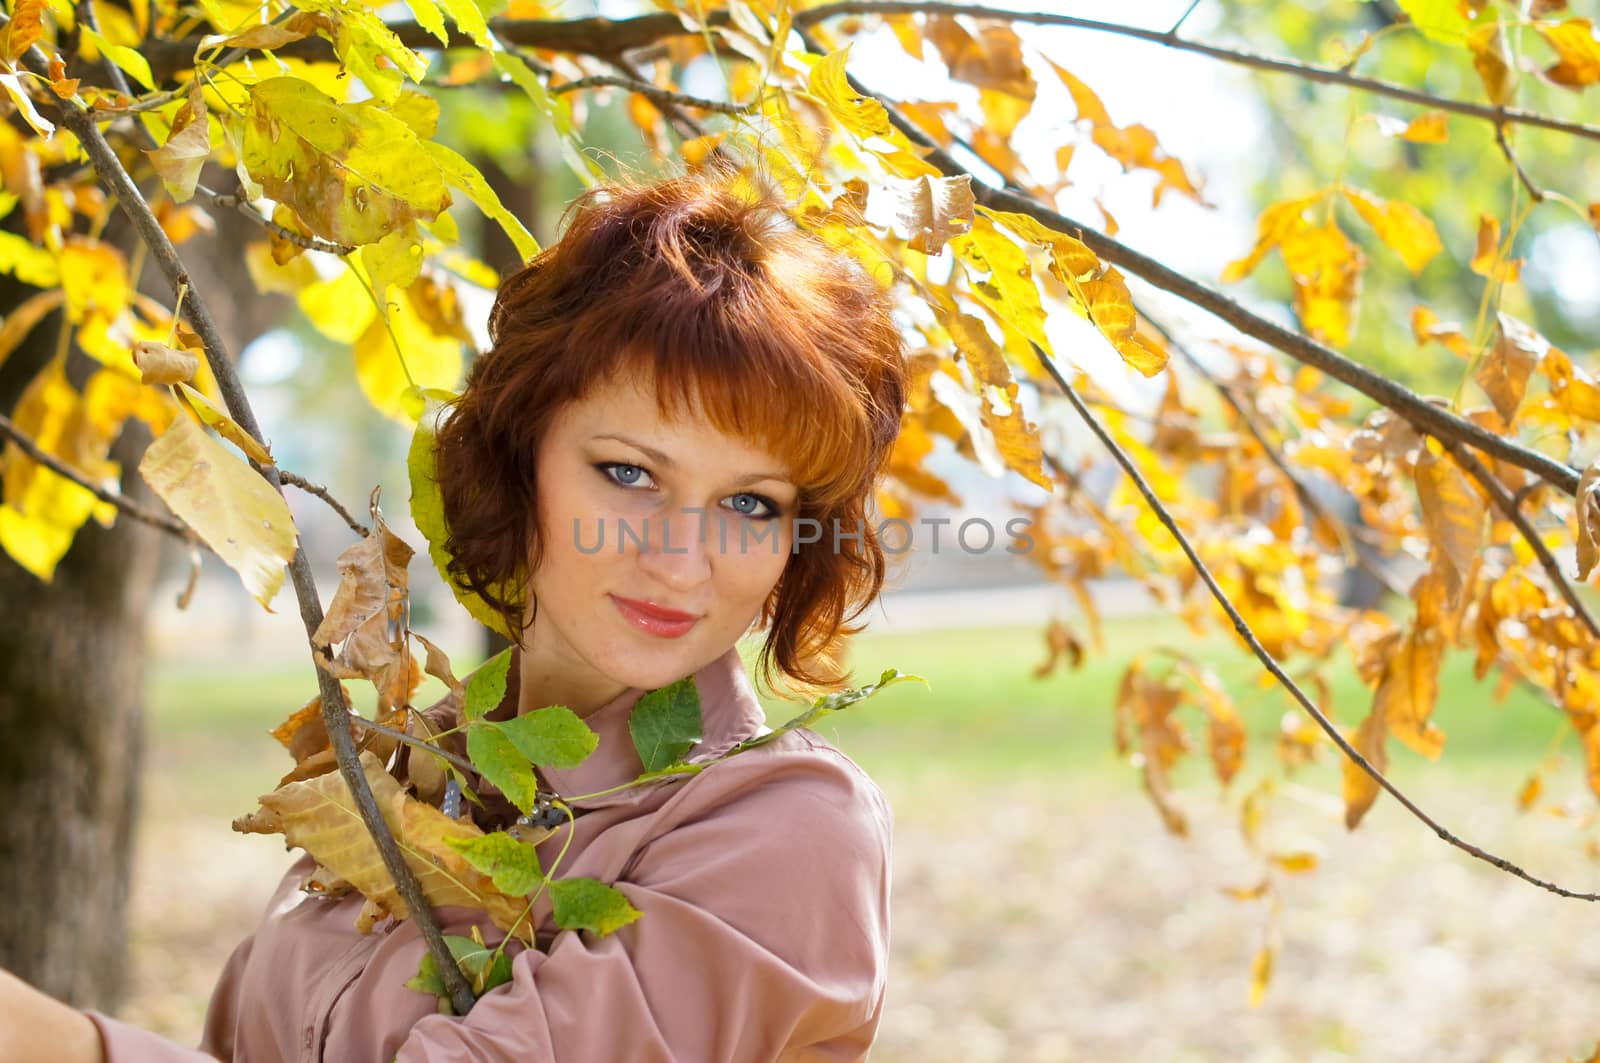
(745, 501)
(621, 473)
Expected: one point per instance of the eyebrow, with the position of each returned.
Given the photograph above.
(665, 462)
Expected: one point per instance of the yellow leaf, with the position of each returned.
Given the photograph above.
(180, 160)
(28, 262)
(160, 364)
(232, 508)
(42, 510)
(1276, 223)
(862, 116)
(1400, 225)
(1326, 269)
(1069, 256)
(1430, 128)
(1452, 512)
(1295, 861)
(352, 173)
(1410, 688)
(425, 358)
(1574, 42)
(461, 174)
(1361, 789)
(24, 317)
(1110, 306)
(1588, 514)
(226, 427)
(95, 276)
(1504, 372)
(1260, 975)
(1491, 58)
(25, 28)
(319, 816)
(1528, 796)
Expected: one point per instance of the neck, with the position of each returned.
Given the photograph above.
(541, 682)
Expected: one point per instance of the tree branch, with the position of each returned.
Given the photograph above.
(1166, 38)
(231, 201)
(461, 763)
(327, 496)
(116, 180)
(1243, 628)
(170, 525)
(1424, 415)
(1507, 505)
(652, 93)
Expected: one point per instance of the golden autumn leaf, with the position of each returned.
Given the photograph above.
(24, 29)
(1587, 503)
(1452, 512)
(1261, 975)
(1492, 59)
(1505, 369)
(1430, 128)
(1110, 306)
(40, 510)
(1361, 789)
(1578, 49)
(1276, 223)
(1326, 269)
(932, 209)
(367, 616)
(95, 277)
(232, 508)
(188, 146)
(24, 316)
(1426, 327)
(319, 816)
(862, 116)
(215, 418)
(1400, 225)
(1295, 861)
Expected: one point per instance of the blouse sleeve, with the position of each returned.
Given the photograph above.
(763, 935)
(123, 1043)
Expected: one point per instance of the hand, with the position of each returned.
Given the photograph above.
(31, 1022)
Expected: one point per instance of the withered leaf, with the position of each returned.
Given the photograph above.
(320, 817)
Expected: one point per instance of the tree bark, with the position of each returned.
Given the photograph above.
(72, 666)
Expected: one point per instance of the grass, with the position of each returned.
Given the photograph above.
(982, 715)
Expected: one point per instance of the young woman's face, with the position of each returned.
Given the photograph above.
(662, 540)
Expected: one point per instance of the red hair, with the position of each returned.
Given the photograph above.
(703, 283)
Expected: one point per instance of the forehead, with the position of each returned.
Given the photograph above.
(632, 408)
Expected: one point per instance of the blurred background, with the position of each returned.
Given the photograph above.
(1041, 911)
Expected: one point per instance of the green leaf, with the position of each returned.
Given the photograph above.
(461, 174)
(513, 865)
(1439, 20)
(427, 511)
(588, 904)
(498, 760)
(828, 704)
(553, 737)
(127, 60)
(352, 173)
(486, 687)
(426, 12)
(485, 967)
(665, 723)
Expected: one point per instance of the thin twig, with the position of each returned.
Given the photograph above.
(461, 763)
(170, 525)
(1502, 498)
(323, 493)
(1243, 628)
(1178, 25)
(652, 93)
(1534, 191)
(1304, 71)
(1426, 416)
(115, 178)
(231, 201)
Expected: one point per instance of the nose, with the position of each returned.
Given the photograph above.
(675, 554)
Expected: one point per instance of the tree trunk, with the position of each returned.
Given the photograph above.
(71, 692)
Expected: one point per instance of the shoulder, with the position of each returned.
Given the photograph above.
(795, 802)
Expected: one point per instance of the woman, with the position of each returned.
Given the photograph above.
(668, 390)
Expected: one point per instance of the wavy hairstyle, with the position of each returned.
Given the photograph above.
(703, 283)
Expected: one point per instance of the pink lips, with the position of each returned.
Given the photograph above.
(654, 620)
